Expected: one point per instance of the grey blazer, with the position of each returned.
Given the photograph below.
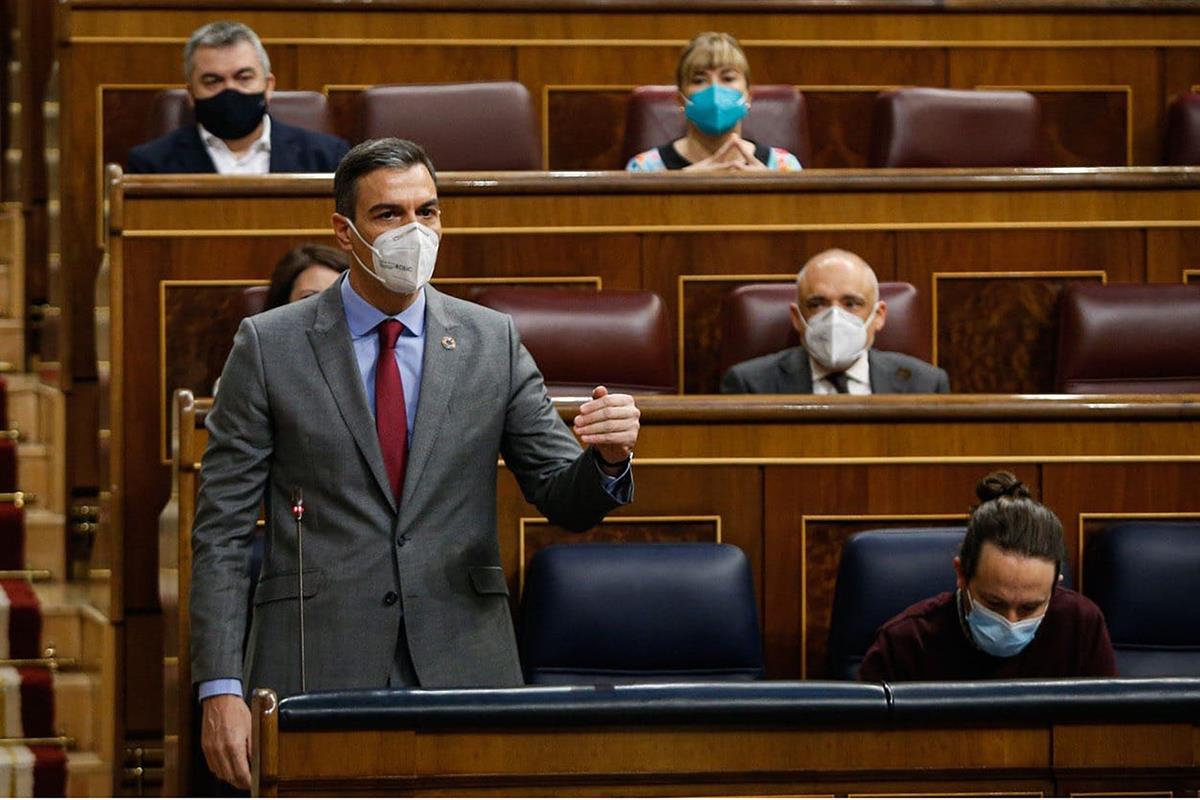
(292, 412)
(788, 372)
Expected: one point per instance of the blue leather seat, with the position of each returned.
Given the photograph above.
(1144, 577)
(882, 573)
(625, 613)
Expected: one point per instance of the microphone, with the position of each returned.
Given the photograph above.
(298, 515)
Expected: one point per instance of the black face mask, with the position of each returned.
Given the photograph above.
(231, 114)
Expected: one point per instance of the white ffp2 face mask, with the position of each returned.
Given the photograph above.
(835, 338)
(402, 258)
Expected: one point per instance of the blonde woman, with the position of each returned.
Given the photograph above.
(713, 78)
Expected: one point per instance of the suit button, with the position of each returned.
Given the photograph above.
(390, 599)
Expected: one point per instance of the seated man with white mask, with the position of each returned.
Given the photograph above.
(837, 316)
(1009, 618)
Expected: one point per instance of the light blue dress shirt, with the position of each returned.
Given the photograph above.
(363, 320)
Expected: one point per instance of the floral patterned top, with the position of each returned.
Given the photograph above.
(667, 157)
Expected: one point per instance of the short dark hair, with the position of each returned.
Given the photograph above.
(223, 33)
(295, 261)
(1013, 521)
(369, 156)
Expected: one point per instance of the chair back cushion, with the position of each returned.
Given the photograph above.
(777, 118)
(1183, 131)
(952, 128)
(1144, 577)
(1129, 338)
(619, 613)
(882, 573)
(583, 339)
(462, 126)
(308, 110)
(757, 322)
(254, 300)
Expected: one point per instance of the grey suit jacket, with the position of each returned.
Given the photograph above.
(292, 412)
(788, 372)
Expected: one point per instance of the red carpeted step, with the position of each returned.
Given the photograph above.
(12, 536)
(49, 771)
(37, 701)
(3, 404)
(24, 620)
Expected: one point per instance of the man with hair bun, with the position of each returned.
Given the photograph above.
(1009, 617)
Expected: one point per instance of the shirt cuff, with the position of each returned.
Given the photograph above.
(620, 487)
(220, 686)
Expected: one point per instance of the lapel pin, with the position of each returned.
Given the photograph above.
(448, 343)
(904, 373)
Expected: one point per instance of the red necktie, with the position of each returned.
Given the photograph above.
(391, 416)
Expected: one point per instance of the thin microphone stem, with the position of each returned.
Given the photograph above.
(298, 514)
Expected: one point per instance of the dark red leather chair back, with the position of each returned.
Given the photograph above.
(308, 110)
(952, 128)
(1183, 131)
(584, 339)
(462, 126)
(777, 117)
(254, 300)
(1129, 338)
(757, 322)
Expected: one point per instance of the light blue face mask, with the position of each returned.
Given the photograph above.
(995, 635)
(717, 109)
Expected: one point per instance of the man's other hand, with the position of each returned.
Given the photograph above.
(225, 738)
(609, 422)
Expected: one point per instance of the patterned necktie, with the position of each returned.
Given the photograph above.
(838, 379)
(391, 417)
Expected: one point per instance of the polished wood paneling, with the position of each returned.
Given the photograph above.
(537, 533)
(998, 333)
(767, 759)
(1086, 495)
(671, 503)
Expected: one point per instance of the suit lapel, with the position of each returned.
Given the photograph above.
(330, 340)
(797, 374)
(282, 145)
(193, 156)
(886, 376)
(443, 360)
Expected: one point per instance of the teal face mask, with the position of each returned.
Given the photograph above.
(995, 635)
(717, 109)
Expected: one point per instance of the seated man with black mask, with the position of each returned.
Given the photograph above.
(229, 85)
(1009, 618)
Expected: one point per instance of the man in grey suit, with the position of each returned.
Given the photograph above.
(386, 403)
(837, 316)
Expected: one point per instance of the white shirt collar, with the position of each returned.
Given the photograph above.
(258, 152)
(858, 375)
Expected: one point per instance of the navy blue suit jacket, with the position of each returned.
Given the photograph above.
(292, 150)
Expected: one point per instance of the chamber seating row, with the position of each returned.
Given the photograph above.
(623, 613)
(493, 126)
(1113, 338)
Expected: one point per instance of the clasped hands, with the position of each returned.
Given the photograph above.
(609, 423)
(736, 155)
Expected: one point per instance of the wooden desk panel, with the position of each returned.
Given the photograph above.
(765, 759)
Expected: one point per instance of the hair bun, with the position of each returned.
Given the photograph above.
(1000, 484)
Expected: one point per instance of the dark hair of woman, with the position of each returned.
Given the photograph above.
(1013, 521)
(294, 262)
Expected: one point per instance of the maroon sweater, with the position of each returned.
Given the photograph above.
(927, 643)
